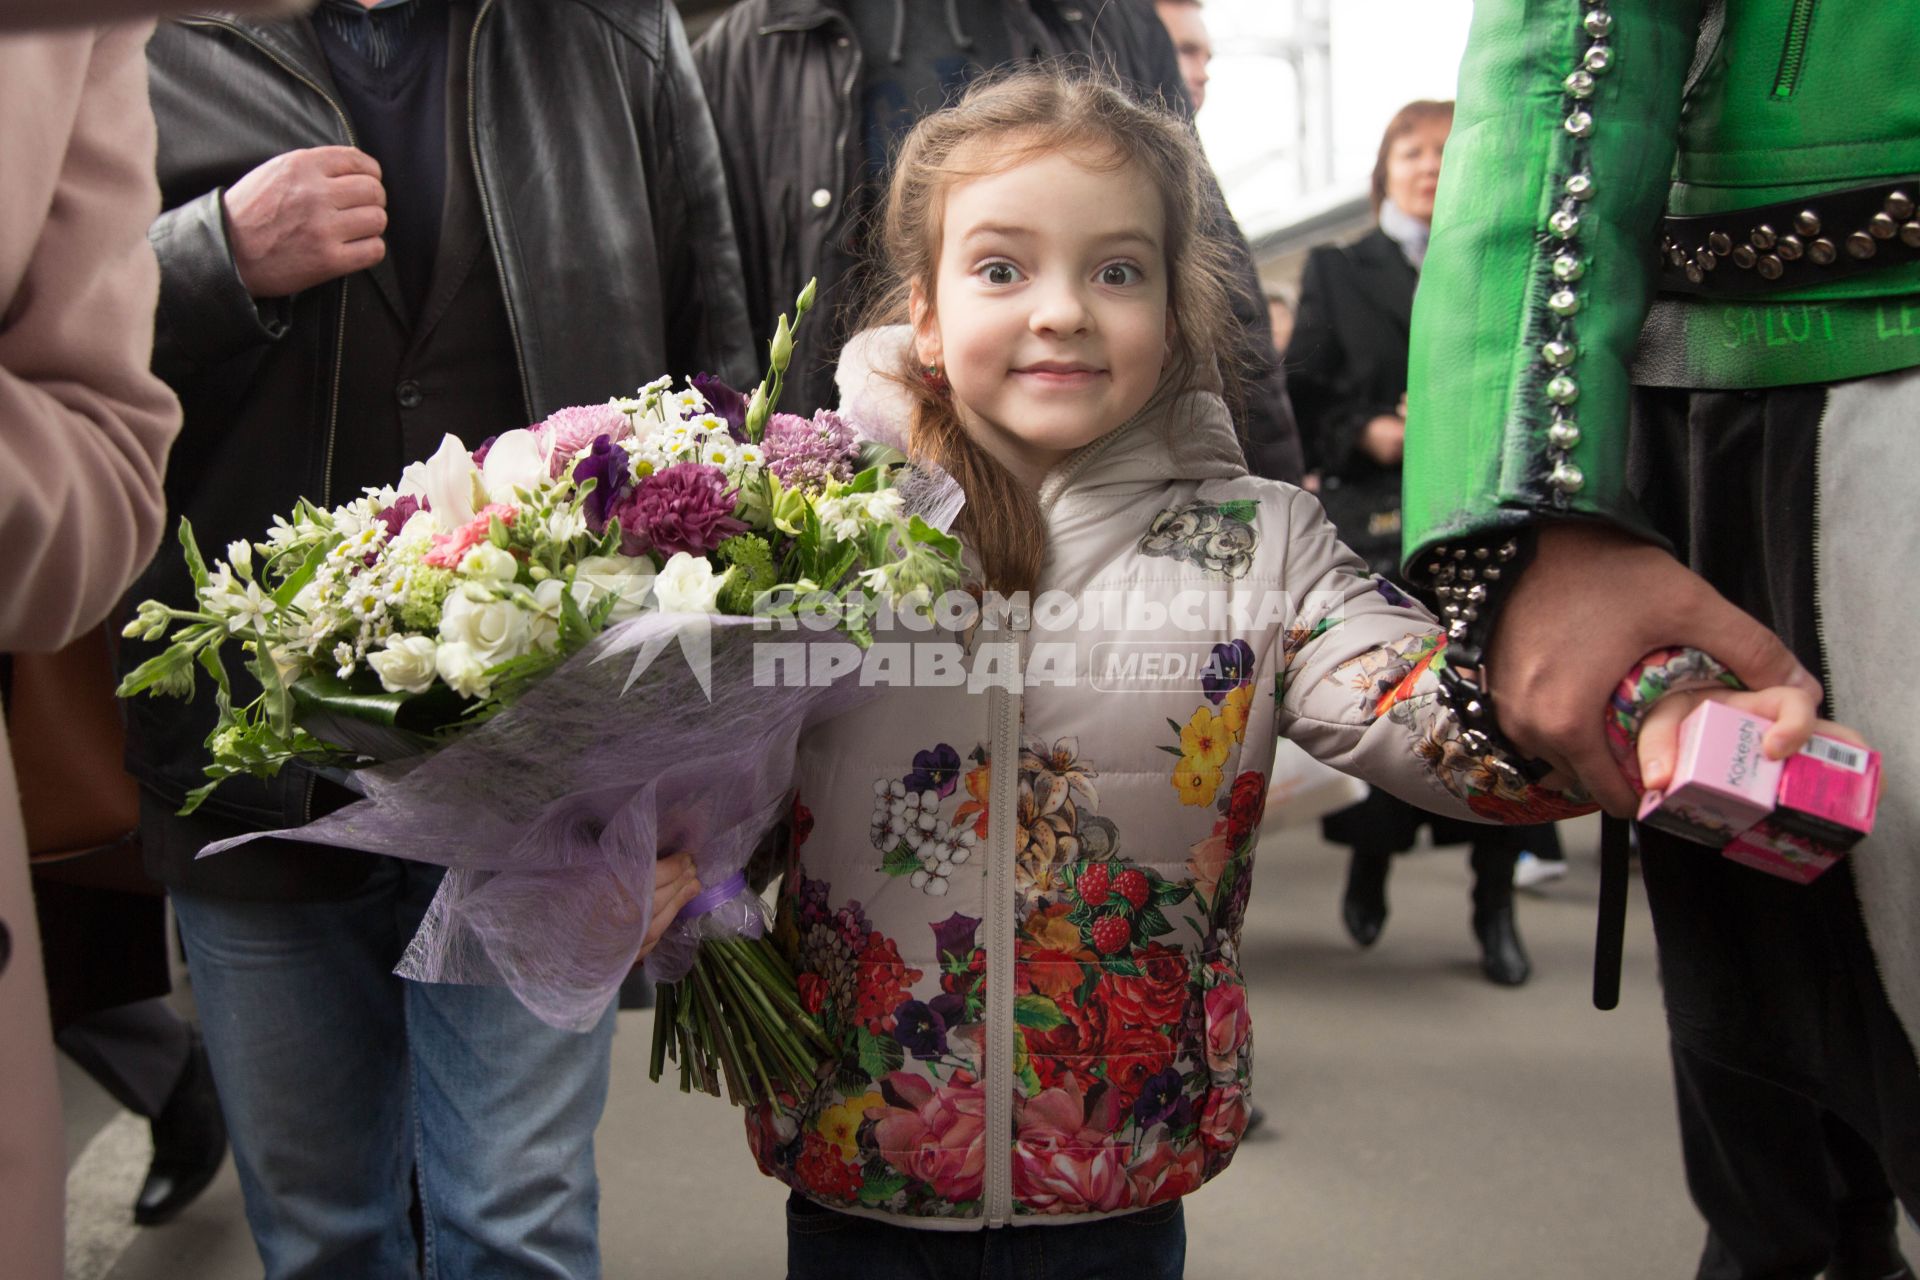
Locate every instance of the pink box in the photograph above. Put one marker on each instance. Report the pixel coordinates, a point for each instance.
(1791, 818)
(1722, 784)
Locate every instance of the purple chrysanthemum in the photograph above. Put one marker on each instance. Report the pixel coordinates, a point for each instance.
(571, 431)
(806, 453)
(684, 508)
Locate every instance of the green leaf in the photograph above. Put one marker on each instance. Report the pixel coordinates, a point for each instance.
(878, 1055)
(1123, 965)
(1174, 751)
(1168, 892)
(1243, 511)
(296, 581)
(867, 481)
(920, 531)
(900, 861)
(196, 563)
(1150, 923)
(841, 563)
(168, 673)
(209, 659)
(277, 702)
(1038, 1012)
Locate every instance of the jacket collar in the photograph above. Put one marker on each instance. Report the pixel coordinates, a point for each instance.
(290, 42)
(1189, 437)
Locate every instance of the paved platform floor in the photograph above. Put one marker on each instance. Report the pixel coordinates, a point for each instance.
(1422, 1123)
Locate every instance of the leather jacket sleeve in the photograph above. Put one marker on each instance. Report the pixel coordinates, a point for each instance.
(206, 315)
(694, 227)
(1537, 107)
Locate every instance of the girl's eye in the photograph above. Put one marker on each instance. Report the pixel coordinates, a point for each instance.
(1000, 273)
(1117, 274)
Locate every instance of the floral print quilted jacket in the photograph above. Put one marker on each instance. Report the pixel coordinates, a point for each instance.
(1016, 902)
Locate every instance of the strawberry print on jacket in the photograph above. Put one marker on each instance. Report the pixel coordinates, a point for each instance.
(1016, 902)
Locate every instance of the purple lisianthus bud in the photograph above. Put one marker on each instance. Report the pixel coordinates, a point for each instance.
(687, 507)
(607, 464)
(396, 516)
(726, 403)
(480, 454)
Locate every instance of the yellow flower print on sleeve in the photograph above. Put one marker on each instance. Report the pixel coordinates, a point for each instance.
(1233, 712)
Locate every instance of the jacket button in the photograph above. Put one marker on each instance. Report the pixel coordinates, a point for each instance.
(409, 394)
(822, 198)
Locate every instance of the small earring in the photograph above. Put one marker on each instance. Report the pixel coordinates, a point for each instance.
(935, 378)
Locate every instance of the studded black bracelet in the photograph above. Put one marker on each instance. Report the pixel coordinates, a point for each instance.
(1471, 580)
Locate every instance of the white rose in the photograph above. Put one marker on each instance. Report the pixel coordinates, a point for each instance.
(687, 584)
(406, 665)
(489, 564)
(463, 671)
(626, 578)
(495, 630)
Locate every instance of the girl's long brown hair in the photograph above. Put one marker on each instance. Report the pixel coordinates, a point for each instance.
(1002, 121)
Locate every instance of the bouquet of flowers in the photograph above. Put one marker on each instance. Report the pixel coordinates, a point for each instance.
(448, 639)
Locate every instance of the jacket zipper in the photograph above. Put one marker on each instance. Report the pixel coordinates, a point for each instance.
(486, 206)
(1793, 57)
(1003, 813)
(340, 336)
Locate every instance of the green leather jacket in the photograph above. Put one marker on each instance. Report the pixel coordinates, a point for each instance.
(1582, 123)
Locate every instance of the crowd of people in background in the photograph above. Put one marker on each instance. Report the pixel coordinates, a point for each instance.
(346, 228)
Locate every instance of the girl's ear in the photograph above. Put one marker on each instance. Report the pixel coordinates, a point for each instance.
(926, 326)
(1173, 335)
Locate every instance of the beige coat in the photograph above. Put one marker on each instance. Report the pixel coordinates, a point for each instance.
(84, 432)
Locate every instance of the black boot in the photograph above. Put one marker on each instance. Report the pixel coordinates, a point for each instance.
(189, 1142)
(1364, 908)
(1502, 958)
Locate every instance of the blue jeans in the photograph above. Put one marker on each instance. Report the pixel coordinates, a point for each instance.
(824, 1245)
(338, 1080)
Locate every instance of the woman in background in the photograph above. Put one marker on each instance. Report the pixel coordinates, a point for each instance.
(1347, 372)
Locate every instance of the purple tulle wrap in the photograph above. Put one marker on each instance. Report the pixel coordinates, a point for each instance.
(549, 816)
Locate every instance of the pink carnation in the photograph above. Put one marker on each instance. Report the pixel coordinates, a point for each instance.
(449, 549)
(687, 507)
(567, 432)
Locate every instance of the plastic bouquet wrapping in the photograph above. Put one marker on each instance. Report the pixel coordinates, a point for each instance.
(543, 665)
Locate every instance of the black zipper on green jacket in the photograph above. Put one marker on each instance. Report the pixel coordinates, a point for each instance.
(1794, 57)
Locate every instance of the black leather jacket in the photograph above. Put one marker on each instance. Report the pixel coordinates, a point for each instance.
(604, 204)
(783, 78)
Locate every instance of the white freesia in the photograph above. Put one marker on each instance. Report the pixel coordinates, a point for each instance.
(406, 665)
(447, 481)
(240, 556)
(565, 524)
(513, 462)
(490, 564)
(462, 669)
(625, 578)
(494, 630)
(545, 621)
(687, 584)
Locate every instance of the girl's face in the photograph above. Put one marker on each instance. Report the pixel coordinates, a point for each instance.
(1413, 168)
(1050, 306)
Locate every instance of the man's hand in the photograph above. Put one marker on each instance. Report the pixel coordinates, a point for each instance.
(675, 884)
(1385, 439)
(306, 217)
(1592, 604)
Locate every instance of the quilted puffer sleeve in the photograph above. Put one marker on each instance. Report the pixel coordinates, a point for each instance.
(1358, 687)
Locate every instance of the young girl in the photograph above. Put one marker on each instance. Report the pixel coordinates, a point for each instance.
(1015, 899)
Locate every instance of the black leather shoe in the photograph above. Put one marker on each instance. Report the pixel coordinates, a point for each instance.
(1364, 908)
(1502, 958)
(189, 1143)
